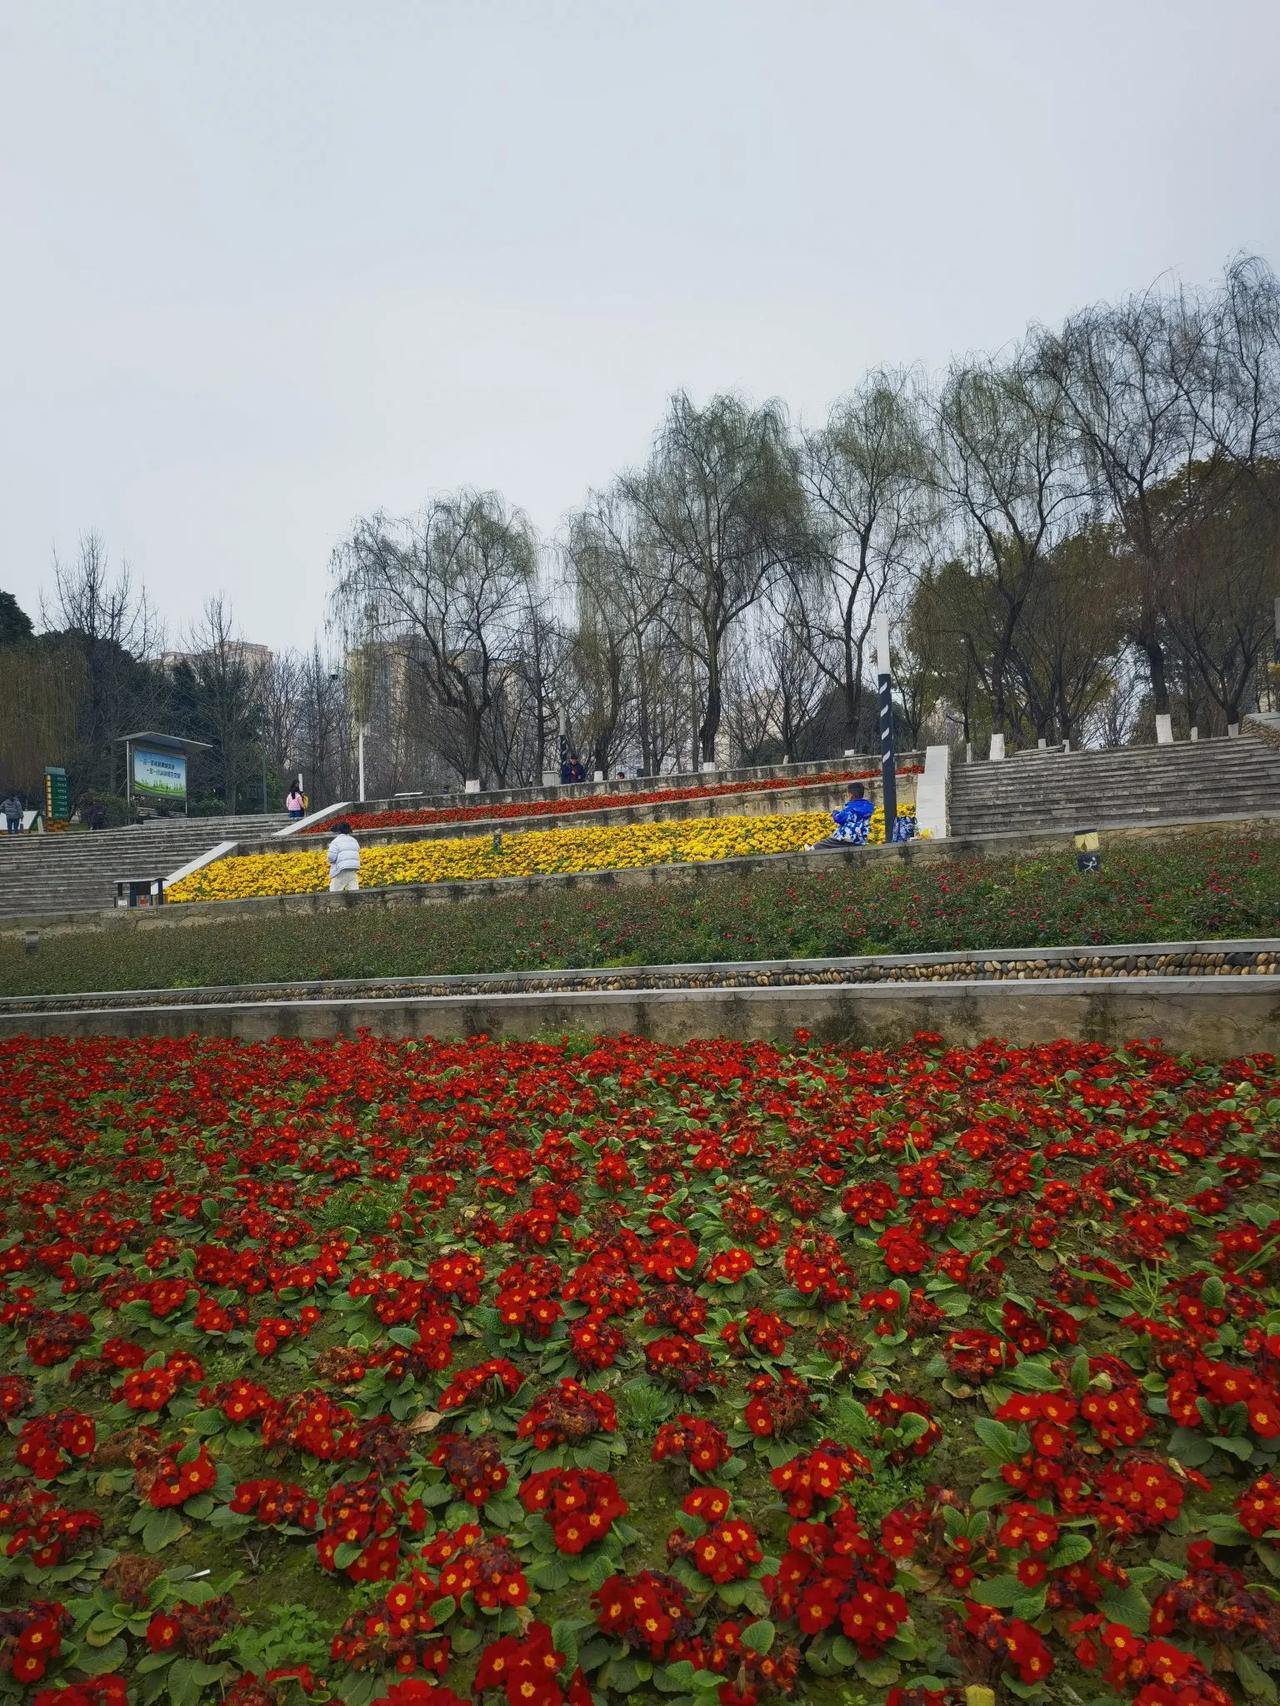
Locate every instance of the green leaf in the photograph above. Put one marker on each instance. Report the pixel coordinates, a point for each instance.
(676, 1677)
(1070, 1550)
(1001, 1591)
(1036, 1376)
(1007, 1445)
(759, 1635)
(881, 1673)
(912, 1427)
(1240, 1448)
(1225, 1531)
(988, 1494)
(1127, 1606)
(564, 1638)
(1190, 1448)
(1254, 1680)
(161, 1529)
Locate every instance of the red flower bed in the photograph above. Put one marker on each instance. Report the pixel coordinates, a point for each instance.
(592, 802)
(417, 1373)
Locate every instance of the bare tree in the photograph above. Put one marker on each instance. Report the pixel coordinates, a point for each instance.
(1069, 637)
(775, 679)
(1128, 377)
(1004, 463)
(282, 713)
(628, 650)
(444, 588)
(324, 742)
(722, 504)
(225, 683)
(949, 635)
(865, 476)
(1225, 578)
(110, 622)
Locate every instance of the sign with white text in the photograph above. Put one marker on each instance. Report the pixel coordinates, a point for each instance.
(159, 775)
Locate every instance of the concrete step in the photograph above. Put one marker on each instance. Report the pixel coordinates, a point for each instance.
(78, 870)
(1205, 779)
(1153, 805)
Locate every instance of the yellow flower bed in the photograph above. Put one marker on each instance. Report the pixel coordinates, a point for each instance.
(535, 852)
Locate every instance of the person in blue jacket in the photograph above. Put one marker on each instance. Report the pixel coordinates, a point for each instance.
(852, 821)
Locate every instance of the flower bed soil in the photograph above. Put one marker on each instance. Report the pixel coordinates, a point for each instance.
(600, 1370)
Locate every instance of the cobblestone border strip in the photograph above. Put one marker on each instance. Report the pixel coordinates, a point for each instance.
(1156, 960)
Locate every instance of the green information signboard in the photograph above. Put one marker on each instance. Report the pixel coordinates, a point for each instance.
(57, 799)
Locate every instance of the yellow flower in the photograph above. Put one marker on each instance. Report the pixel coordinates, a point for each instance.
(533, 852)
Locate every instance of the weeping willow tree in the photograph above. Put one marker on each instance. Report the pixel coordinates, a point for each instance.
(43, 690)
(445, 589)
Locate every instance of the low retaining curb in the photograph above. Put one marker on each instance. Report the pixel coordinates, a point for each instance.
(1212, 1017)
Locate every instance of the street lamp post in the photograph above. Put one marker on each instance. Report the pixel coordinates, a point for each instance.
(888, 758)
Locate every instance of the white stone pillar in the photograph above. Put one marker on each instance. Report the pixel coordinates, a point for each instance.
(931, 792)
(1164, 729)
(997, 748)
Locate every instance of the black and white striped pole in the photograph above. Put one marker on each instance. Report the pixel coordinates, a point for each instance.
(888, 758)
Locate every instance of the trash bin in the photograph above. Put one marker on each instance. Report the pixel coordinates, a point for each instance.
(140, 891)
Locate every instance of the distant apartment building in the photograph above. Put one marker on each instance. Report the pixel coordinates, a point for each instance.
(240, 651)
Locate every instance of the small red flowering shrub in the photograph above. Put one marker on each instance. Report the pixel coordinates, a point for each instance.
(722, 1374)
(407, 817)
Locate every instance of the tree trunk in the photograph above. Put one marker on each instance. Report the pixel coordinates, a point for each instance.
(710, 726)
(474, 734)
(852, 679)
(711, 720)
(1154, 653)
(999, 717)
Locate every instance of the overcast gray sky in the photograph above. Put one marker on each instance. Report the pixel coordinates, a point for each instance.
(267, 266)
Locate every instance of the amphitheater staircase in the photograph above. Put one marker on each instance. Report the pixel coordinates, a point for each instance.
(77, 870)
(1084, 790)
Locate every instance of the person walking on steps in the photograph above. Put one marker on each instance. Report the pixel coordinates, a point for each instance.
(344, 861)
(12, 808)
(294, 803)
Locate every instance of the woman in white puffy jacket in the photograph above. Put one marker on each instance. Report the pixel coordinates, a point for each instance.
(344, 860)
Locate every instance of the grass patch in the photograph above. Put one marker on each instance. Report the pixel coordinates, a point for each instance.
(1193, 887)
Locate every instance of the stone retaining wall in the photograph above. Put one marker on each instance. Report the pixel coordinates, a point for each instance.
(815, 797)
(1214, 1018)
(632, 784)
(1255, 957)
